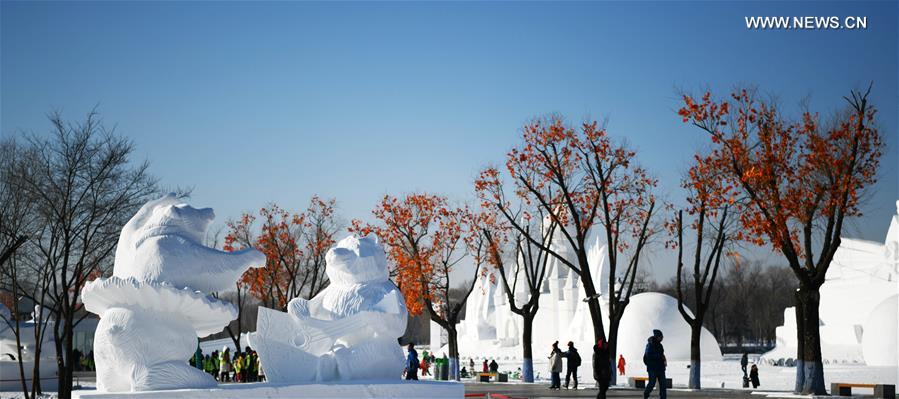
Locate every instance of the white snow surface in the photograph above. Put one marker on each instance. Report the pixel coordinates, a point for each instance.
(346, 332)
(715, 373)
(154, 305)
(356, 389)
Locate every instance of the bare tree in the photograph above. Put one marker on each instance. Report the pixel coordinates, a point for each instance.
(84, 188)
(524, 273)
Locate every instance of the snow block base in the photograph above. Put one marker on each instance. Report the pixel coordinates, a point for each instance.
(356, 389)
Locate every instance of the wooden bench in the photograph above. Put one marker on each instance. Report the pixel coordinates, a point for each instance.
(485, 377)
(880, 390)
(640, 382)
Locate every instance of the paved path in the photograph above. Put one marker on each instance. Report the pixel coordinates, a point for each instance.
(538, 390)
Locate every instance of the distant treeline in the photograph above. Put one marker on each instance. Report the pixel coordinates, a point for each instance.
(748, 304)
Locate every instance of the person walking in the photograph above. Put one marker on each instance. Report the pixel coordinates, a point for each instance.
(754, 376)
(471, 364)
(555, 366)
(412, 363)
(425, 366)
(602, 372)
(494, 366)
(574, 361)
(654, 358)
(485, 367)
(744, 361)
(621, 364)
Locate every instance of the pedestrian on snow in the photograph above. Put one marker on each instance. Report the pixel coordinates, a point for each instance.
(574, 361)
(754, 376)
(555, 366)
(602, 372)
(621, 364)
(744, 361)
(494, 367)
(654, 358)
(425, 366)
(412, 363)
(485, 367)
(471, 364)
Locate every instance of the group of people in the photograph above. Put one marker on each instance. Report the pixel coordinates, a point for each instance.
(653, 357)
(413, 364)
(227, 367)
(753, 372)
(555, 365)
(84, 362)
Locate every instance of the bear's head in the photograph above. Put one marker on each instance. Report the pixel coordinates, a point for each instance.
(356, 260)
(165, 216)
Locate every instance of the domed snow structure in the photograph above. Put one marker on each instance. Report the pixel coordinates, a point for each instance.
(653, 310)
(880, 332)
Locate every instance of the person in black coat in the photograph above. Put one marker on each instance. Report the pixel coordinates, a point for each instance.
(754, 376)
(744, 362)
(602, 369)
(574, 361)
(654, 358)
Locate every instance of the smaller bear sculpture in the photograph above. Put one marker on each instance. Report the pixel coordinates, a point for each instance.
(348, 331)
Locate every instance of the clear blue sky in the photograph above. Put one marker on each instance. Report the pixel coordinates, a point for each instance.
(256, 102)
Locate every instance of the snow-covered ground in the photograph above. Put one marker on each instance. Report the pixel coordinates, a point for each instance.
(725, 373)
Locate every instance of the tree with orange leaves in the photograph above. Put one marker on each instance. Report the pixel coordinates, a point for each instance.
(710, 204)
(580, 178)
(425, 239)
(294, 244)
(801, 179)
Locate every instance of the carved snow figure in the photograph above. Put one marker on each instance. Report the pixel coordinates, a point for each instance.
(155, 304)
(348, 331)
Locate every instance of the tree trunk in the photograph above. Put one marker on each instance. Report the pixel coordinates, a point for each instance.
(593, 305)
(695, 354)
(453, 337)
(527, 366)
(809, 367)
(613, 350)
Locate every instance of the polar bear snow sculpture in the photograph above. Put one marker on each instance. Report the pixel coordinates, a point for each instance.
(155, 304)
(348, 331)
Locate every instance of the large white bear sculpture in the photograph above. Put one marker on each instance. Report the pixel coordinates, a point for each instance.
(155, 305)
(348, 331)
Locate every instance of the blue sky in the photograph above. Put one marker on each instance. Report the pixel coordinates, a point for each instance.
(257, 102)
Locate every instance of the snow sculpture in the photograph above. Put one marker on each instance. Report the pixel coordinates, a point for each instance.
(880, 331)
(858, 330)
(348, 331)
(154, 305)
(9, 363)
(653, 310)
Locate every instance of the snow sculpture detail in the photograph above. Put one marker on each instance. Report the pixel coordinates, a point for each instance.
(154, 305)
(346, 332)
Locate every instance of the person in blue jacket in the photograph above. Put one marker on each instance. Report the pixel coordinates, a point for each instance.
(412, 363)
(654, 358)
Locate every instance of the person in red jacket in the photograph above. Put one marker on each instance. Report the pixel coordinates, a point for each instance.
(621, 365)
